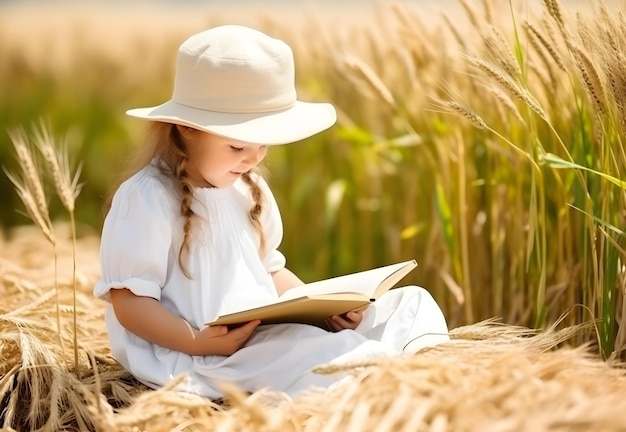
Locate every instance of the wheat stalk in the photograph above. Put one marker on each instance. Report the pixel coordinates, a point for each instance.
(29, 188)
(67, 188)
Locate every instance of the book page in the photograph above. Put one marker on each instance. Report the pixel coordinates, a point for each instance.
(365, 282)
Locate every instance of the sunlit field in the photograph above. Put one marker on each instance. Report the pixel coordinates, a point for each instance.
(483, 140)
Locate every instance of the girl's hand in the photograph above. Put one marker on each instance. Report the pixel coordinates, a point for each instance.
(220, 340)
(349, 320)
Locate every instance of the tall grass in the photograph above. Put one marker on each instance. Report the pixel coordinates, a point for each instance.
(487, 145)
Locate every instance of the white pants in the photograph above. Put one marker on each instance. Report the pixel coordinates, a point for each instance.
(281, 357)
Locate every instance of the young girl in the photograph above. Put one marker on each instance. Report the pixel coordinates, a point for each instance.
(196, 230)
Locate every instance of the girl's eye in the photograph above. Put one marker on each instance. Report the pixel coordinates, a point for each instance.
(236, 149)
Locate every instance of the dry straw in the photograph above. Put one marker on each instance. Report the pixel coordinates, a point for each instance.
(490, 375)
(475, 379)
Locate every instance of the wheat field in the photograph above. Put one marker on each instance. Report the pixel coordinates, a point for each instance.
(484, 140)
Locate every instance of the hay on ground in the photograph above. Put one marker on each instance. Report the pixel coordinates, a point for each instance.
(490, 377)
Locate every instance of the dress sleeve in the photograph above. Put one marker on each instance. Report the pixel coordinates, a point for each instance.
(272, 222)
(136, 239)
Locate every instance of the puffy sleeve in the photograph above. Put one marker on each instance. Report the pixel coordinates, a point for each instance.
(136, 239)
(272, 222)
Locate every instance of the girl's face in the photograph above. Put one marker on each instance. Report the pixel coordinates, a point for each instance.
(218, 161)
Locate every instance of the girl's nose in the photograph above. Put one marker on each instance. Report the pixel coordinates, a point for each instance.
(256, 156)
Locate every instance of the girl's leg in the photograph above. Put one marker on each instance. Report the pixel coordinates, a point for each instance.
(282, 357)
(407, 319)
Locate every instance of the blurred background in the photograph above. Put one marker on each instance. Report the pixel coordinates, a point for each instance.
(482, 139)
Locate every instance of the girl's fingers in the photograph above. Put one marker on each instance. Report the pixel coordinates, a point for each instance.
(341, 322)
(215, 331)
(349, 320)
(354, 316)
(249, 326)
(332, 325)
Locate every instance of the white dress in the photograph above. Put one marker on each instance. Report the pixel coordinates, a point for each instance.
(139, 251)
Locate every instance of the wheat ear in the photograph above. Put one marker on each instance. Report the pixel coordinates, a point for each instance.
(506, 101)
(362, 74)
(454, 30)
(495, 41)
(617, 79)
(26, 196)
(590, 76)
(29, 188)
(488, 8)
(537, 36)
(57, 161)
(512, 86)
(471, 13)
(30, 170)
(554, 9)
(474, 118)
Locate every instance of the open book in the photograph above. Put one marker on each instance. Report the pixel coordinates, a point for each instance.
(312, 303)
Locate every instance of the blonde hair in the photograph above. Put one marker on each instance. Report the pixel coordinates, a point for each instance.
(164, 142)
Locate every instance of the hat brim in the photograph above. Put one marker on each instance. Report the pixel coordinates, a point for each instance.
(300, 121)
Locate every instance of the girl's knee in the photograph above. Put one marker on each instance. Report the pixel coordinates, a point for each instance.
(416, 291)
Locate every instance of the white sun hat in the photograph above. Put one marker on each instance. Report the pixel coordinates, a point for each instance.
(239, 83)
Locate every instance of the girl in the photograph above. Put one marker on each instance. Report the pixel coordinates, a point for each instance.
(196, 230)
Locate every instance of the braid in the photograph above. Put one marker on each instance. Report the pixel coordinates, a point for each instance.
(255, 212)
(168, 145)
(186, 191)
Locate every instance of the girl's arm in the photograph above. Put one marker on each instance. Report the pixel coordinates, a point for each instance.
(148, 319)
(284, 279)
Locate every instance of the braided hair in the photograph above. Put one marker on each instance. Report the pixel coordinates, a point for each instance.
(169, 146)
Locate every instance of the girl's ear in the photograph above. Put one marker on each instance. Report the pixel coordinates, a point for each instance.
(184, 131)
